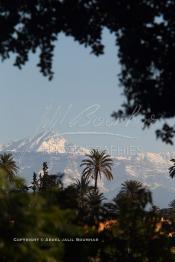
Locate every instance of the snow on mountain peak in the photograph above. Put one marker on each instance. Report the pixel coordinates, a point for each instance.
(52, 144)
(46, 142)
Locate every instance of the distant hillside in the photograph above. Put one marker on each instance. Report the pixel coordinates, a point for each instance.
(150, 168)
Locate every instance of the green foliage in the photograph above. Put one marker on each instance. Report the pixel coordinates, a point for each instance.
(134, 237)
(72, 214)
(28, 215)
(8, 165)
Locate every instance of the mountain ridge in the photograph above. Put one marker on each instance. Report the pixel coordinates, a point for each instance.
(148, 167)
(45, 141)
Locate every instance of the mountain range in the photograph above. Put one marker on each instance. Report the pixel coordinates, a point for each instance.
(148, 167)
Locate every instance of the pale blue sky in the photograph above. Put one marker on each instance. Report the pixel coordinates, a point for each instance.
(82, 82)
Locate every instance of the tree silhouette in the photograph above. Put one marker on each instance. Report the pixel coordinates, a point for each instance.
(134, 236)
(48, 181)
(94, 206)
(172, 169)
(172, 204)
(30, 216)
(145, 36)
(8, 164)
(82, 187)
(44, 179)
(35, 182)
(96, 164)
(135, 192)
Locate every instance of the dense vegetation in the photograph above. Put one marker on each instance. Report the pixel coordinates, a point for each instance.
(48, 222)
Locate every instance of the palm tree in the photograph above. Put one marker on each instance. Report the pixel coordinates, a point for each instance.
(131, 188)
(135, 192)
(94, 206)
(82, 188)
(172, 169)
(96, 164)
(8, 164)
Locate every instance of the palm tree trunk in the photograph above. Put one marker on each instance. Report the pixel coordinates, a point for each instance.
(96, 177)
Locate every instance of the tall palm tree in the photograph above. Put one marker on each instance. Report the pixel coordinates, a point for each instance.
(172, 169)
(96, 164)
(8, 164)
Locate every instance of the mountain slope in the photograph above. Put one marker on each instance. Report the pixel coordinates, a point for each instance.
(149, 168)
(46, 142)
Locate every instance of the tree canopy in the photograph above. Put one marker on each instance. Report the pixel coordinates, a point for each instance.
(145, 40)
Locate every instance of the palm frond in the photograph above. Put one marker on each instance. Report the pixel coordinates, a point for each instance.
(172, 169)
(97, 163)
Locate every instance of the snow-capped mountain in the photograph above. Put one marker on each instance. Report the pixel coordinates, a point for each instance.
(147, 167)
(46, 142)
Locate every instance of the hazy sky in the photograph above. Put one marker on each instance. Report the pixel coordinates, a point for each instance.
(76, 103)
